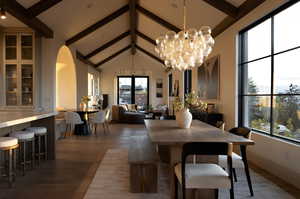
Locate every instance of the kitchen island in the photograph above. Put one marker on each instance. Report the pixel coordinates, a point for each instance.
(17, 120)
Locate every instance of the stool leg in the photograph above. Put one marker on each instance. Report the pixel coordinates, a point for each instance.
(33, 154)
(15, 163)
(10, 168)
(39, 150)
(24, 157)
(46, 147)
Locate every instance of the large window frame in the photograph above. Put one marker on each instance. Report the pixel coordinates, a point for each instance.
(242, 79)
(133, 87)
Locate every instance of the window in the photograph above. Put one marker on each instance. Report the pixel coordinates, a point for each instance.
(269, 74)
(187, 81)
(133, 90)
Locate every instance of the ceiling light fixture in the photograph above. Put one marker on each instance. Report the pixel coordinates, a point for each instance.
(186, 49)
(2, 11)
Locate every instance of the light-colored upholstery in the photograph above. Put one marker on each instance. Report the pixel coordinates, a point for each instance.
(22, 135)
(237, 161)
(99, 118)
(73, 118)
(37, 130)
(8, 142)
(107, 115)
(203, 176)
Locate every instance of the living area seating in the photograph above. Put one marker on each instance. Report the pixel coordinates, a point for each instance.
(127, 113)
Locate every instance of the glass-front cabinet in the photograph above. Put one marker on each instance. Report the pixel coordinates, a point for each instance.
(18, 69)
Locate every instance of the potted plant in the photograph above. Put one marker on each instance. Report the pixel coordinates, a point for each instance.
(182, 109)
(84, 102)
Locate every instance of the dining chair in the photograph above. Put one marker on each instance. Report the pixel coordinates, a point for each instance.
(72, 119)
(220, 125)
(99, 118)
(204, 175)
(239, 162)
(107, 118)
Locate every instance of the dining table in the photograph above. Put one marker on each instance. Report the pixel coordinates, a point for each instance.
(167, 133)
(84, 128)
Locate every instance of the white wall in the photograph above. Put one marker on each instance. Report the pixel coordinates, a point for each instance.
(47, 71)
(122, 65)
(276, 156)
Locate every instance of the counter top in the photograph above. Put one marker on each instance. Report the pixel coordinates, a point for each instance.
(11, 118)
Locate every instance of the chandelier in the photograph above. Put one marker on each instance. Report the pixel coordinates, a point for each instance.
(186, 49)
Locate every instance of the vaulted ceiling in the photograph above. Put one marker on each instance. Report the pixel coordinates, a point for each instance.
(101, 30)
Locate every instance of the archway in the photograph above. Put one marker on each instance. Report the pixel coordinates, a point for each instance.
(65, 80)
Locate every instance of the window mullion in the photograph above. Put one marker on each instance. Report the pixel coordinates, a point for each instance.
(272, 76)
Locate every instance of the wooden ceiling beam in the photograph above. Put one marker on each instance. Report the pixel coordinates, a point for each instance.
(107, 45)
(244, 9)
(41, 6)
(157, 19)
(133, 24)
(142, 35)
(224, 7)
(97, 25)
(149, 54)
(113, 56)
(21, 13)
(80, 57)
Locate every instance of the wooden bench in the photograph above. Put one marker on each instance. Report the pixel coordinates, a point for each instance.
(143, 160)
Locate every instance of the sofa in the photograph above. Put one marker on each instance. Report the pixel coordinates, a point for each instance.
(127, 113)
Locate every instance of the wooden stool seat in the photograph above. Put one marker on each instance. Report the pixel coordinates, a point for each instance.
(6, 142)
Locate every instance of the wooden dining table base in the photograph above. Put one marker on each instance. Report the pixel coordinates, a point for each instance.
(175, 158)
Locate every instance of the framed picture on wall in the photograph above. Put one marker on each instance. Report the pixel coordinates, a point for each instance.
(209, 79)
(159, 88)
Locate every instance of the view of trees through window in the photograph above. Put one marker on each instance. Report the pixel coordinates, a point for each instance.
(270, 69)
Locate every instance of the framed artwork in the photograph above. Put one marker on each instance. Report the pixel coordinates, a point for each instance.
(209, 79)
(159, 88)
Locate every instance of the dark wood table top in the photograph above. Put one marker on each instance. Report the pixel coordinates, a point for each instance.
(167, 132)
(88, 110)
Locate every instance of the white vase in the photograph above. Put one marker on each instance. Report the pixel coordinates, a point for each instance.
(184, 118)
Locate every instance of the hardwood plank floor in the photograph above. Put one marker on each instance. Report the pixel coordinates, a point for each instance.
(78, 158)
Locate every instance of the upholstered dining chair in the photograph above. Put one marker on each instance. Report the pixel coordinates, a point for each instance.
(204, 175)
(239, 161)
(99, 118)
(72, 119)
(107, 118)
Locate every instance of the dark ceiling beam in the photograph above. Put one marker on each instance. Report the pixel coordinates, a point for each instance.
(113, 56)
(133, 24)
(244, 9)
(19, 12)
(41, 6)
(80, 57)
(97, 25)
(149, 54)
(142, 35)
(107, 45)
(224, 7)
(157, 19)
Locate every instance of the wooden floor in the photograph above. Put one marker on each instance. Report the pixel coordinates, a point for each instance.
(78, 158)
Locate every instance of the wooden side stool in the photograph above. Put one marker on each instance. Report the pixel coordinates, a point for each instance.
(26, 149)
(41, 142)
(8, 147)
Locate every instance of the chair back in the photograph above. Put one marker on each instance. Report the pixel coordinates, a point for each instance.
(72, 118)
(241, 131)
(99, 117)
(107, 114)
(206, 148)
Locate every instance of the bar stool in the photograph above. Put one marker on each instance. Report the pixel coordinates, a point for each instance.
(26, 150)
(41, 142)
(8, 147)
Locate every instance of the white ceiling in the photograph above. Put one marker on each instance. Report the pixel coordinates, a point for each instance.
(69, 17)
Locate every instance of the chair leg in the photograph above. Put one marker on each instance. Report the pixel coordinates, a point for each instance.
(244, 156)
(10, 168)
(234, 174)
(96, 133)
(46, 147)
(24, 158)
(176, 187)
(33, 153)
(231, 194)
(216, 193)
(107, 127)
(39, 150)
(104, 128)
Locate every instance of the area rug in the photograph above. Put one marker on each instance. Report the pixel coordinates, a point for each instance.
(111, 181)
